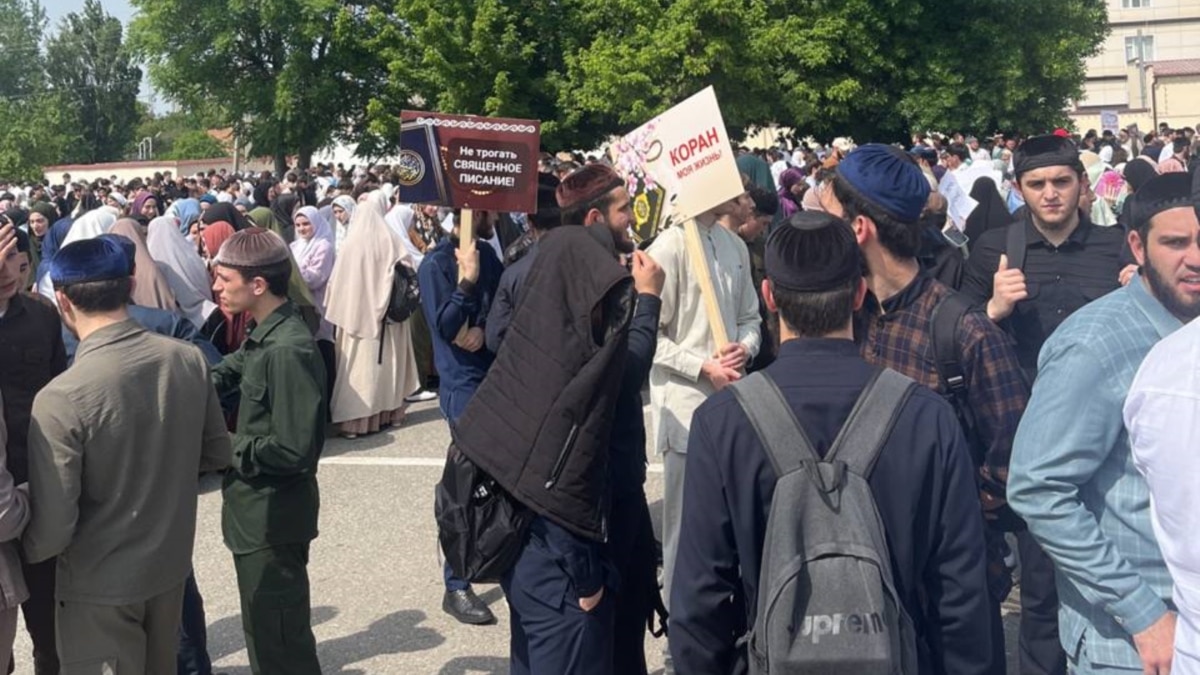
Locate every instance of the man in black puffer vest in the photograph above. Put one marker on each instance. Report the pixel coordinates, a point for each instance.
(540, 424)
(588, 197)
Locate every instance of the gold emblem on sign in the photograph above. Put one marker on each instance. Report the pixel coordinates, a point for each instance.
(410, 168)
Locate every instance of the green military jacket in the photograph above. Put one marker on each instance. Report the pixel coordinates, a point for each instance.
(271, 495)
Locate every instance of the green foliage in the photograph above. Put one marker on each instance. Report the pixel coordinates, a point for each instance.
(88, 65)
(285, 74)
(38, 131)
(196, 145)
(868, 68)
(21, 64)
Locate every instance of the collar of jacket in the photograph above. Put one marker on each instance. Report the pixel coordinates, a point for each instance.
(262, 330)
(108, 335)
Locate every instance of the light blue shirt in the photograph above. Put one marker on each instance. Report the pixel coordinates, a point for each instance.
(1073, 480)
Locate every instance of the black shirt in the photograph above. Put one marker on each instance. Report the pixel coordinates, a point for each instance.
(1059, 279)
(31, 354)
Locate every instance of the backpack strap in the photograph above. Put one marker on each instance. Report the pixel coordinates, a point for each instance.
(870, 423)
(1014, 244)
(773, 420)
(944, 321)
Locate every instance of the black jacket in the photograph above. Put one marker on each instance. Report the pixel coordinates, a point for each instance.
(540, 422)
(923, 486)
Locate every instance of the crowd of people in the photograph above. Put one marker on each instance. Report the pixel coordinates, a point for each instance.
(968, 382)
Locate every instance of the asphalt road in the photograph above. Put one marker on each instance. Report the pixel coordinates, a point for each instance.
(376, 578)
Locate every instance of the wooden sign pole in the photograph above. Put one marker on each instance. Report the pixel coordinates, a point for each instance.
(699, 265)
(466, 238)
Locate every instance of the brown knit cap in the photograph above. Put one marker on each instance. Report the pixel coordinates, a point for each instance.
(253, 247)
(587, 184)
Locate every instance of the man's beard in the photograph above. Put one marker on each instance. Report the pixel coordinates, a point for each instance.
(1167, 294)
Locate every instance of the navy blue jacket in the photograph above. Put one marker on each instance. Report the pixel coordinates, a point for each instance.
(505, 302)
(448, 305)
(923, 485)
(162, 322)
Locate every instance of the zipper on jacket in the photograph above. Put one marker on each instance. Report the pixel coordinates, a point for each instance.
(563, 454)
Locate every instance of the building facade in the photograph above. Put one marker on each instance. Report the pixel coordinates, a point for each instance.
(1148, 69)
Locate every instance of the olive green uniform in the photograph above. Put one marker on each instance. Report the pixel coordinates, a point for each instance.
(270, 495)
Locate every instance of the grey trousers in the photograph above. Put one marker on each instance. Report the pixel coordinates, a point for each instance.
(674, 467)
(134, 639)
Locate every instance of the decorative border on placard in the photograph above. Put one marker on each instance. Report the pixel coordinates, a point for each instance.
(478, 125)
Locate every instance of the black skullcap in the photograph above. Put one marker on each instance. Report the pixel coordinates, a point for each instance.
(1040, 152)
(1165, 191)
(22, 240)
(548, 214)
(812, 252)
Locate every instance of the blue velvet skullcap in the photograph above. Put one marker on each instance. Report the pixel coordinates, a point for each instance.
(887, 178)
(95, 259)
(127, 246)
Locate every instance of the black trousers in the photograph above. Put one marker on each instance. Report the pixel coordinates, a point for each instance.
(631, 550)
(550, 632)
(325, 347)
(1041, 653)
(39, 616)
(192, 658)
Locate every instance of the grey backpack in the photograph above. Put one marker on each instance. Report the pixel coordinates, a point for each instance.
(826, 599)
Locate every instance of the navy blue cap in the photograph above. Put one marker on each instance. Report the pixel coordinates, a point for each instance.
(95, 259)
(887, 178)
(924, 152)
(127, 246)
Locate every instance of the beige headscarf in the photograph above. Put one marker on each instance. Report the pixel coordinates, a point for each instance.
(361, 284)
(151, 288)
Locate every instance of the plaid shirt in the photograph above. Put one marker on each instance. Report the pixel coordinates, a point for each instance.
(896, 334)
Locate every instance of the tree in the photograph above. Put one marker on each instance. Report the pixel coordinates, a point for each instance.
(87, 62)
(37, 133)
(286, 75)
(21, 62)
(196, 145)
(873, 70)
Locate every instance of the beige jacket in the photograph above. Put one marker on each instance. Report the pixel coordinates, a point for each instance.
(14, 515)
(116, 447)
(685, 340)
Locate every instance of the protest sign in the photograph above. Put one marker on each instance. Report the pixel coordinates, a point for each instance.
(959, 204)
(1110, 121)
(469, 162)
(678, 165)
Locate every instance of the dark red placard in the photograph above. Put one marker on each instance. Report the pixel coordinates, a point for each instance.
(465, 161)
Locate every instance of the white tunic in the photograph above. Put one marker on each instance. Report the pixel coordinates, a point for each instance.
(1162, 414)
(685, 340)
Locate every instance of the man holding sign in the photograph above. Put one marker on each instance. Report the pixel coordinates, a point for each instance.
(690, 363)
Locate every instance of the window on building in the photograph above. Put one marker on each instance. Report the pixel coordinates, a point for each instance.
(1139, 46)
(1134, 4)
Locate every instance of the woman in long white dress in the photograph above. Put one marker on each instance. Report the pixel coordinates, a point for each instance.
(375, 363)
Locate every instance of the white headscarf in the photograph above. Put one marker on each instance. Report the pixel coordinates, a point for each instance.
(361, 284)
(340, 231)
(88, 226)
(400, 219)
(186, 274)
(302, 248)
